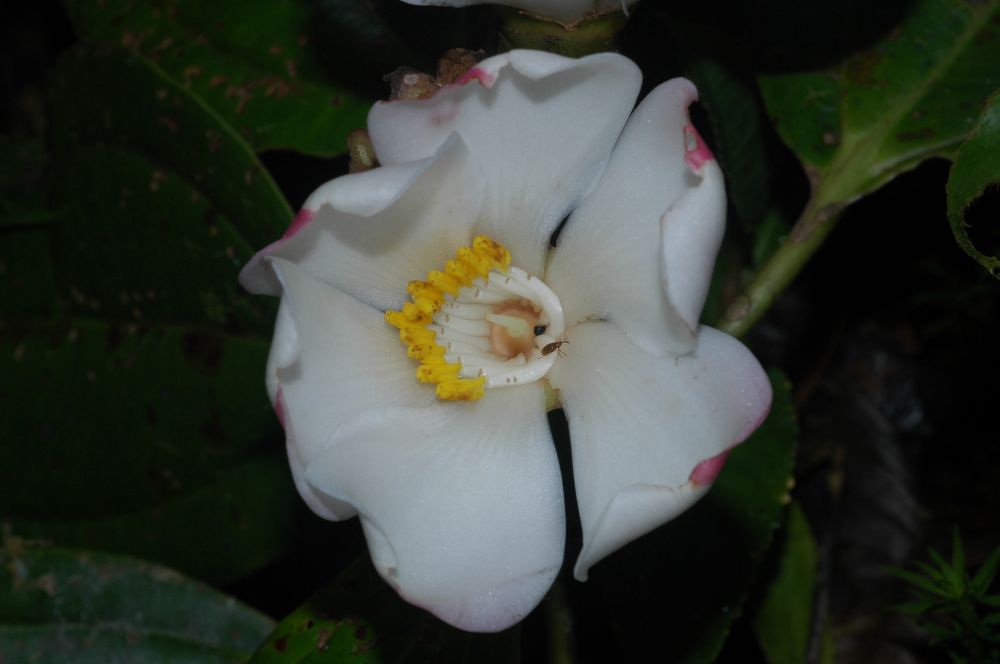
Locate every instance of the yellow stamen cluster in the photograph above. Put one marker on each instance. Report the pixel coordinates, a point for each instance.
(469, 264)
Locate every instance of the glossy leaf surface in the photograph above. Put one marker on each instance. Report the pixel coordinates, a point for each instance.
(254, 63)
(912, 95)
(59, 605)
(976, 170)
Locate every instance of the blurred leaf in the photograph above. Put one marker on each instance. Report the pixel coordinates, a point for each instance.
(253, 61)
(914, 608)
(975, 170)
(678, 589)
(919, 581)
(60, 606)
(109, 97)
(21, 162)
(984, 577)
(27, 272)
(913, 95)
(131, 373)
(737, 123)
(783, 623)
(360, 618)
(159, 439)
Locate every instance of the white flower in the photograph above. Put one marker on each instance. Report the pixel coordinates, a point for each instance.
(461, 502)
(564, 11)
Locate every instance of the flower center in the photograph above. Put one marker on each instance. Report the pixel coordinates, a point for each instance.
(480, 323)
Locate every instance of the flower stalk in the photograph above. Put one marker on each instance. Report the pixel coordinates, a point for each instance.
(808, 234)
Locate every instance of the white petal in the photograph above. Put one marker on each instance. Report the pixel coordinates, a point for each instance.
(331, 358)
(461, 503)
(539, 128)
(565, 11)
(371, 233)
(641, 425)
(641, 248)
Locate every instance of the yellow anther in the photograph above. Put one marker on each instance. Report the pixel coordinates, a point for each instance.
(427, 305)
(423, 289)
(413, 334)
(415, 315)
(460, 272)
(397, 319)
(428, 298)
(437, 373)
(463, 389)
(428, 353)
(480, 264)
(493, 250)
(443, 282)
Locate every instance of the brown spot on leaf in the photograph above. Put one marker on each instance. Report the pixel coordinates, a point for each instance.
(191, 72)
(242, 95)
(281, 645)
(323, 638)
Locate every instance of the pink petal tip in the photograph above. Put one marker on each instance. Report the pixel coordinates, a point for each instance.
(484, 77)
(300, 221)
(706, 471)
(696, 153)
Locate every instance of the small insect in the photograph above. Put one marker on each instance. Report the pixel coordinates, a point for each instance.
(540, 330)
(554, 347)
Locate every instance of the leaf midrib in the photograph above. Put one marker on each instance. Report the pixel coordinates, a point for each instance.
(868, 142)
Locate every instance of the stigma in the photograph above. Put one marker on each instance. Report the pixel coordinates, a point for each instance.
(479, 323)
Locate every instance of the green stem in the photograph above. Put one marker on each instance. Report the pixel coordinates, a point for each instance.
(816, 222)
(560, 624)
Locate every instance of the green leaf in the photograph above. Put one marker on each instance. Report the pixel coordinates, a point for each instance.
(111, 98)
(160, 440)
(131, 374)
(254, 61)
(21, 162)
(59, 606)
(953, 579)
(911, 96)
(919, 581)
(915, 608)
(678, 589)
(984, 577)
(783, 623)
(976, 169)
(737, 123)
(360, 618)
(28, 275)
(935, 574)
